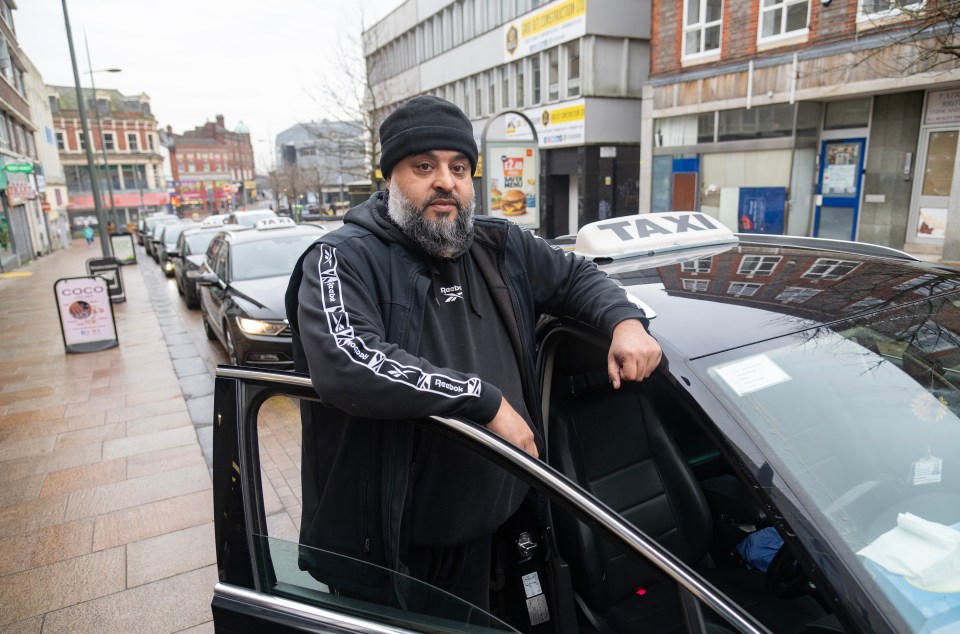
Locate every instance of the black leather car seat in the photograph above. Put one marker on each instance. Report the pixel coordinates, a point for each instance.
(614, 444)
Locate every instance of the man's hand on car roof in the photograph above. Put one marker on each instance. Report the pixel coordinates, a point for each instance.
(634, 354)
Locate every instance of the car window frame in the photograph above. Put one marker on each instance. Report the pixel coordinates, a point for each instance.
(239, 393)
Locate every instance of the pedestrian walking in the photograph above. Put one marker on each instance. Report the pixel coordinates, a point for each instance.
(88, 235)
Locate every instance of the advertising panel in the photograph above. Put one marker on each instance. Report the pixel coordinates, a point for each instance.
(557, 125)
(86, 314)
(513, 171)
(122, 246)
(558, 22)
(762, 210)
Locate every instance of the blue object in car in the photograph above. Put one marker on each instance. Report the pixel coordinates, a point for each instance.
(760, 547)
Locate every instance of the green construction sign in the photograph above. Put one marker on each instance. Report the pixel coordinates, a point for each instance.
(22, 168)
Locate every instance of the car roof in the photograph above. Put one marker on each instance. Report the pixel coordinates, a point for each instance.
(239, 234)
(715, 297)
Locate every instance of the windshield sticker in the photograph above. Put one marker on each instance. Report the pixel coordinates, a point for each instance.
(928, 407)
(750, 375)
(927, 470)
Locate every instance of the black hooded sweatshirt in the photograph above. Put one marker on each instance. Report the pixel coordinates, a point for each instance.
(357, 304)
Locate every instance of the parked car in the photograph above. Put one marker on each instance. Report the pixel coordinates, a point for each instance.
(146, 226)
(189, 255)
(151, 242)
(168, 243)
(250, 218)
(242, 283)
(781, 470)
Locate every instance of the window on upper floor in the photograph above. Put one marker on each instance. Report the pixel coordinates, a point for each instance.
(81, 141)
(132, 143)
(108, 141)
(780, 18)
(535, 79)
(7, 14)
(6, 64)
(61, 145)
(478, 95)
(870, 10)
(505, 87)
(573, 69)
(518, 78)
(150, 141)
(54, 104)
(702, 22)
(553, 74)
(492, 91)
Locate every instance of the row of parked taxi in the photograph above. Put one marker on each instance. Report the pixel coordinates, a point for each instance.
(234, 267)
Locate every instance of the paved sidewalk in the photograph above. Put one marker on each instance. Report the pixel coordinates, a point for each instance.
(105, 503)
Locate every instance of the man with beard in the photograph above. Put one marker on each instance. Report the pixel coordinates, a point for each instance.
(415, 308)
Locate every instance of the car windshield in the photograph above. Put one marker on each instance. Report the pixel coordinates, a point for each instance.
(172, 232)
(198, 242)
(269, 257)
(862, 423)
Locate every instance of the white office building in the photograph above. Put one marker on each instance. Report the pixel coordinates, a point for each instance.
(575, 68)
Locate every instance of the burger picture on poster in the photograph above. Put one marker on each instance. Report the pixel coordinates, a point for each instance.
(513, 202)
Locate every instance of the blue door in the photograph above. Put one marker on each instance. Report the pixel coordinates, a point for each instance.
(841, 176)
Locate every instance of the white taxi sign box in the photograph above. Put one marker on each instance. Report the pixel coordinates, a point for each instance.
(648, 234)
(86, 314)
(217, 221)
(275, 223)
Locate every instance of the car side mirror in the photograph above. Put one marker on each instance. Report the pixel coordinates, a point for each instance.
(208, 279)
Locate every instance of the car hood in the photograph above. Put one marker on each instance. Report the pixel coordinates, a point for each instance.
(268, 292)
(705, 306)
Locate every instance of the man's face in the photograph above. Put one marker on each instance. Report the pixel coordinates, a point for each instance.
(435, 181)
(431, 200)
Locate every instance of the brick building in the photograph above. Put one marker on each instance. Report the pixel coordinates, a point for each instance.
(212, 167)
(125, 148)
(830, 119)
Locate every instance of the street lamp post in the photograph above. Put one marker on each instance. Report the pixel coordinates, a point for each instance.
(96, 114)
(91, 164)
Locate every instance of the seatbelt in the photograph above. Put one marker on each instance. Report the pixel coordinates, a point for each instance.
(595, 620)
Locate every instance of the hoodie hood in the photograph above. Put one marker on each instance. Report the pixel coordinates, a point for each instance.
(372, 215)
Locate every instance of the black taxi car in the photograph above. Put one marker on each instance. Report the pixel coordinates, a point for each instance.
(242, 283)
(791, 466)
(189, 254)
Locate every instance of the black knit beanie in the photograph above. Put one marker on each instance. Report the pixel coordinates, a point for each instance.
(423, 124)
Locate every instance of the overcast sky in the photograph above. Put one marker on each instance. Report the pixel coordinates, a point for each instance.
(263, 63)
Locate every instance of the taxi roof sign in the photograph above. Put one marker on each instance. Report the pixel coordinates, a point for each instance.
(646, 234)
(214, 221)
(275, 223)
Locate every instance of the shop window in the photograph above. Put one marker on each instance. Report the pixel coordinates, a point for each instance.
(684, 130)
(743, 289)
(852, 113)
(809, 114)
(701, 27)
(573, 69)
(553, 74)
(783, 17)
(762, 122)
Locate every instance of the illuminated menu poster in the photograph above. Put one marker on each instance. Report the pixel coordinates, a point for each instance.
(86, 314)
(513, 182)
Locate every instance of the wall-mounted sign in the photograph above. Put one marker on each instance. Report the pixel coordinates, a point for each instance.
(943, 106)
(557, 22)
(513, 171)
(22, 168)
(558, 125)
(86, 314)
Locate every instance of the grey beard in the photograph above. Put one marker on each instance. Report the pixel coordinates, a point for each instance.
(438, 238)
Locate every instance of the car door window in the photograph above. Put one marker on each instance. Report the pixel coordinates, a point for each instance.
(532, 586)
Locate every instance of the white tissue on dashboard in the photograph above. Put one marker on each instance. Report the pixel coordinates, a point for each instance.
(925, 553)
